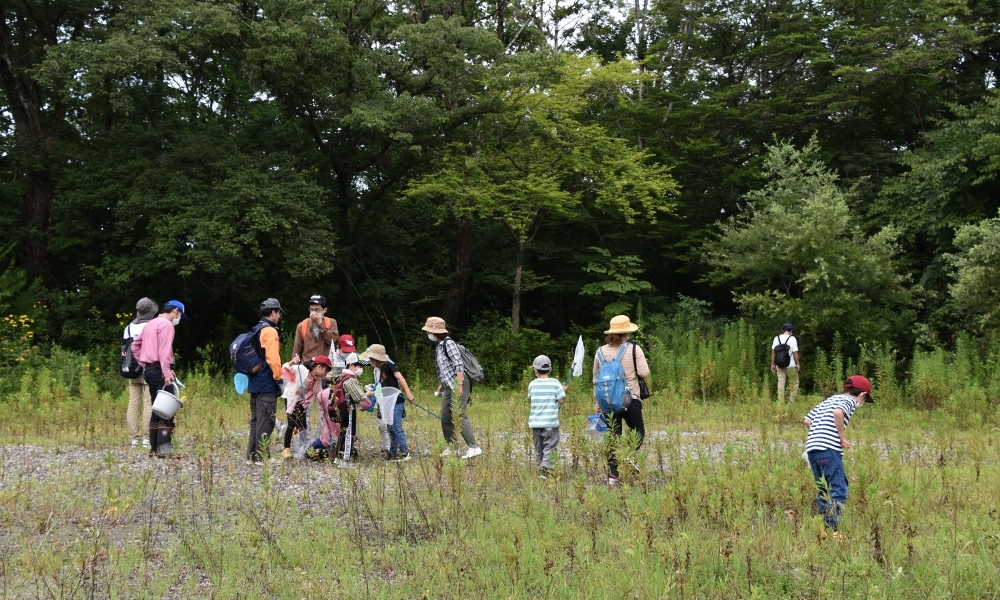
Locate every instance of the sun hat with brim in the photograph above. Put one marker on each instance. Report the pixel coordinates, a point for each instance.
(621, 324)
(860, 382)
(376, 351)
(434, 325)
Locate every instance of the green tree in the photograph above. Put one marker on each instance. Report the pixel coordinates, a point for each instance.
(540, 159)
(796, 252)
(975, 294)
(619, 280)
(34, 95)
(951, 181)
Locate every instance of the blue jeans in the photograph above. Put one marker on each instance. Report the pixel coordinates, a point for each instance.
(397, 447)
(831, 483)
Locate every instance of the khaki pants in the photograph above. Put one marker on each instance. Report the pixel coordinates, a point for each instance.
(788, 374)
(447, 427)
(138, 402)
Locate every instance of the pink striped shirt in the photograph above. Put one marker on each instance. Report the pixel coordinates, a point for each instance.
(156, 345)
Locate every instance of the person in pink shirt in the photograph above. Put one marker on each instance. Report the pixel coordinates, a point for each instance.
(154, 349)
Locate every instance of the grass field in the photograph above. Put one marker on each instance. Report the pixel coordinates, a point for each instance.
(721, 507)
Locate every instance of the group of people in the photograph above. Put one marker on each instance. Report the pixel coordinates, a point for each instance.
(326, 369)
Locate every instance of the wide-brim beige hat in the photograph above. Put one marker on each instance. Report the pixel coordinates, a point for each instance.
(376, 351)
(434, 325)
(622, 324)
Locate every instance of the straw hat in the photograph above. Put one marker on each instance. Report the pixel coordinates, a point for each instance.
(434, 325)
(376, 351)
(621, 324)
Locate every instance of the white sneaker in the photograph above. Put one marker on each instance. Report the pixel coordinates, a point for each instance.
(135, 443)
(446, 452)
(145, 444)
(472, 452)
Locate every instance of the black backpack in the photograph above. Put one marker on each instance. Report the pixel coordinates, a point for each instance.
(782, 353)
(245, 353)
(130, 367)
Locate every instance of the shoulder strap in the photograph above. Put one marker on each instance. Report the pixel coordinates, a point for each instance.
(302, 329)
(600, 355)
(621, 353)
(635, 365)
(128, 330)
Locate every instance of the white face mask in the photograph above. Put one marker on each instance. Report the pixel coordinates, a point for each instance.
(176, 321)
(432, 337)
(359, 371)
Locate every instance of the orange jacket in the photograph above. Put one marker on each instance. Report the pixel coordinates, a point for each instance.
(269, 342)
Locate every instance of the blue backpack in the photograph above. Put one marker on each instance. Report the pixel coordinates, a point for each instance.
(610, 390)
(245, 352)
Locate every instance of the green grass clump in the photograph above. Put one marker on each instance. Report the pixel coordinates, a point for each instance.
(721, 507)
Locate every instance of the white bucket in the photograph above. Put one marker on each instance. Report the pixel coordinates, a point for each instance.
(166, 404)
(387, 404)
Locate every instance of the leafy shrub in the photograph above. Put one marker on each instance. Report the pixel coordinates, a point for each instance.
(929, 378)
(504, 354)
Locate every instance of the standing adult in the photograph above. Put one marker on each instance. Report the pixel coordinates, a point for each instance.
(139, 402)
(634, 366)
(452, 382)
(825, 445)
(154, 349)
(314, 336)
(785, 361)
(265, 385)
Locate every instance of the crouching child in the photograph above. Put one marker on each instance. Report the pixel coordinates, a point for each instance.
(302, 384)
(338, 409)
(546, 396)
(826, 442)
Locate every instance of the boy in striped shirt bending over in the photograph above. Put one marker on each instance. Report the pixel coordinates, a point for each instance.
(826, 442)
(546, 395)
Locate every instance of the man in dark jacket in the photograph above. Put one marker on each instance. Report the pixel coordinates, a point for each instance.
(265, 384)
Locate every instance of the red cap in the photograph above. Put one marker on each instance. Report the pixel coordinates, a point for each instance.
(324, 360)
(859, 382)
(346, 341)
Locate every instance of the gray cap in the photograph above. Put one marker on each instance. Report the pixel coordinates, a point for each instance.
(542, 363)
(271, 304)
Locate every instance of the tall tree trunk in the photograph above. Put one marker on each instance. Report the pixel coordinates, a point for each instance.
(345, 254)
(37, 211)
(515, 312)
(454, 300)
(501, 18)
(28, 30)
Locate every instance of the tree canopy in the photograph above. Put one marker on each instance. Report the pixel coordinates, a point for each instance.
(830, 162)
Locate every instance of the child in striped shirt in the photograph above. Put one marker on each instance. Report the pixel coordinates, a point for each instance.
(546, 395)
(826, 442)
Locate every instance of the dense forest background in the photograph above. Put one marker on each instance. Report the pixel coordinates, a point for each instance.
(522, 168)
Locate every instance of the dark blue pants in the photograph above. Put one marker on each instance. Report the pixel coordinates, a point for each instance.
(397, 447)
(831, 484)
(160, 430)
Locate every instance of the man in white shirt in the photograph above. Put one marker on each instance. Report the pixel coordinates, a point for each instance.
(785, 362)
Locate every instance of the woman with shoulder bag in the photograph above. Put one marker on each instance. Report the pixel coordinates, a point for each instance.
(636, 371)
